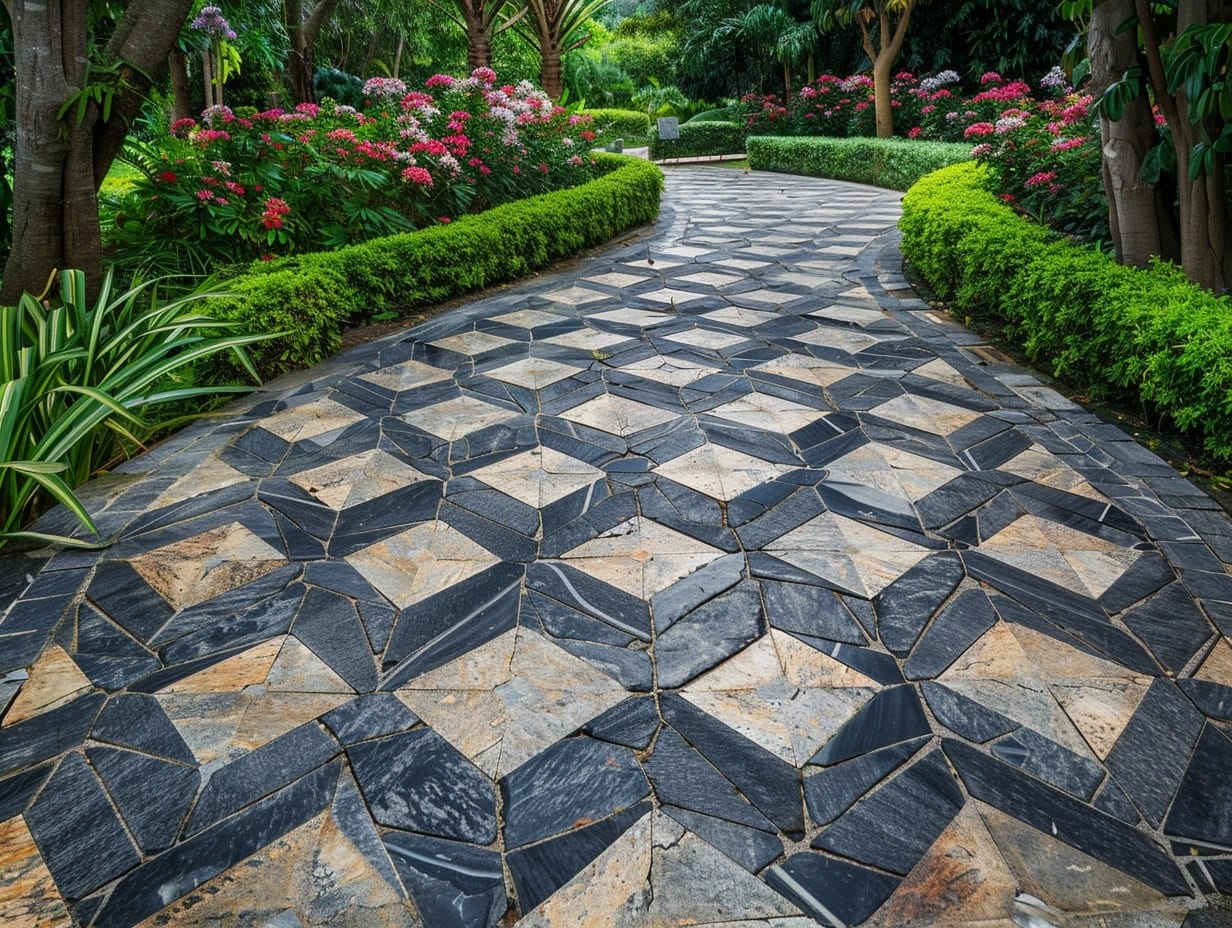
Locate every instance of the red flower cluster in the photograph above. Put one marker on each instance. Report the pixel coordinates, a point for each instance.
(275, 211)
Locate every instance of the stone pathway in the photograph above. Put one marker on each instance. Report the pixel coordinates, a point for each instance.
(716, 582)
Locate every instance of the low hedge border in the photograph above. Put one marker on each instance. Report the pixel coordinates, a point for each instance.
(311, 298)
(699, 139)
(1118, 331)
(633, 126)
(895, 164)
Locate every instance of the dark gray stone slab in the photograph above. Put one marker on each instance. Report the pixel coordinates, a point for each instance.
(329, 624)
(750, 848)
(578, 779)
(827, 889)
(1113, 801)
(965, 716)
(687, 594)
(682, 777)
(709, 634)
(368, 717)
(137, 721)
(1030, 751)
(418, 781)
(904, 607)
(955, 629)
(108, 655)
(1172, 626)
(17, 791)
(631, 723)
(152, 794)
(892, 716)
(47, 734)
(122, 593)
(831, 792)
(453, 885)
(810, 610)
(1202, 810)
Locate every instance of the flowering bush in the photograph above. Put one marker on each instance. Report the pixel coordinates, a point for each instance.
(238, 186)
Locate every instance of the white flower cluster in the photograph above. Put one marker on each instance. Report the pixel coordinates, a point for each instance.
(939, 80)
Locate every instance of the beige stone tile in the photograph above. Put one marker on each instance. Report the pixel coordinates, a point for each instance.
(298, 670)
(766, 411)
(618, 415)
(28, 894)
(357, 479)
(852, 315)
(656, 265)
(763, 296)
(407, 375)
(740, 264)
(533, 373)
(738, 315)
(618, 279)
(996, 655)
(962, 881)
(310, 420)
(848, 340)
(539, 477)
(457, 418)
(248, 668)
(204, 566)
(1046, 468)
(707, 338)
(800, 279)
(711, 279)
(1100, 708)
(529, 318)
(892, 470)
(1075, 560)
(672, 371)
(943, 371)
(420, 562)
(207, 477)
(671, 296)
(641, 557)
(1217, 668)
(577, 296)
(720, 472)
(806, 368)
(54, 680)
(587, 339)
(639, 317)
(1030, 704)
(926, 414)
(684, 251)
(473, 343)
(510, 699)
(856, 556)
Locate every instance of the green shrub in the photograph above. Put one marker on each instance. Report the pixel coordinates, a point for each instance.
(312, 298)
(892, 163)
(723, 114)
(1116, 331)
(701, 138)
(608, 125)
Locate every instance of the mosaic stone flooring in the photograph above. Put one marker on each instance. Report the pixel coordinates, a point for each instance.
(716, 582)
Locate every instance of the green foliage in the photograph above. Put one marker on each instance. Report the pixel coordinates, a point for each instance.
(701, 138)
(631, 125)
(1116, 331)
(892, 163)
(311, 298)
(722, 114)
(83, 385)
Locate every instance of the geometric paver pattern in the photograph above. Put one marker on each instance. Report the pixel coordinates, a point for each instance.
(715, 581)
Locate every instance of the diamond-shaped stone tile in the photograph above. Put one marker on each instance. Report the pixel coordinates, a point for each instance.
(847, 340)
(1044, 467)
(736, 315)
(203, 566)
(587, 339)
(806, 368)
(853, 315)
(670, 296)
(533, 373)
(210, 475)
(618, 415)
(529, 318)
(786, 696)
(311, 420)
(539, 477)
(1217, 667)
(577, 296)
(892, 470)
(765, 297)
(459, 417)
(473, 343)
(358, 479)
(710, 279)
(617, 279)
(420, 562)
(762, 410)
(720, 472)
(641, 318)
(509, 699)
(1080, 562)
(706, 338)
(937, 369)
(857, 558)
(641, 557)
(674, 371)
(740, 264)
(926, 414)
(406, 375)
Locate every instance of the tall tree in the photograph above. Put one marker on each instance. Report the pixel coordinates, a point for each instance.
(771, 30)
(883, 29)
(71, 122)
(303, 22)
(480, 19)
(554, 27)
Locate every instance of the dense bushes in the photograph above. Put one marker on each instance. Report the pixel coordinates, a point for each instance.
(701, 138)
(1115, 330)
(892, 163)
(608, 125)
(311, 298)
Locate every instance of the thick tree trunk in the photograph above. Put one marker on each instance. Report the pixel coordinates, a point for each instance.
(1133, 218)
(882, 69)
(551, 71)
(478, 41)
(177, 67)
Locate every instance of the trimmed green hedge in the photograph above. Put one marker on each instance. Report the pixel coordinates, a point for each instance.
(892, 163)
(723, 114)
(312, 297)
(1118, 331)
(701, 138)
(631, 125)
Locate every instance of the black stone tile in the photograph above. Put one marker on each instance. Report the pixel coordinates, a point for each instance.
(867, 504)
(47, 734)
(299, 507)
(540, 870)
(682, 777)
(827, 889)
(174, 873)
(1150, 756)
(685, 595)
(631, 723)
(955, 629)
(372, 716)
(1171, 625)
(574, 780)
(877, 665)
(630, 666)
(1214, 699)
(1146, 575)
(1191, 555)
(79, 836)
(417, 781)
(687, 511)
(831, 792)
(259, 621)
(1030, 751)
(1221, 875)
(329, 625)
(505, 543)
(453, 885)
(995, 450)
(1113, 801)
(1202, 810)
(772, 509)
(560, 621)
(709, 634)
(1208, 585)
(262, 771)
(1075, 823)
(892, 716)
(750, 848)
(770, 783)
(965, 716)
(893, 827)
(121, 593)
(810, 610)
(17, 791)
(45, 585)
(582, 592)
(153, 795)
(905, 606)
(370, 522)
(481, 499)
(106, 654)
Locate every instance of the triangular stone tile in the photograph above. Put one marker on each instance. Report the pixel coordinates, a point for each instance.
(806, 368)
(926, 414)
(1100, 709)
(892, 470)
(357, 479)
(941, 370)
(195, 569)
(641, 557)
(54, 680)
(1067, 557)
(1217, 668)
(420, 562)
(28, 894)
(247, 668)
(207, 477)
(1047, 469)
(298, 670)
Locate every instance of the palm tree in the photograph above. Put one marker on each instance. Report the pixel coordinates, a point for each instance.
(552, 28)
(479, 19)
(773, 31)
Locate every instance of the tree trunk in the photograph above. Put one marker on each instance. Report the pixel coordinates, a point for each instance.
(303, 34)
(882, 69)
(551, 71)
(207, 78)
(478, 41)
(177, 66)
(1133, 218)
(397, 68)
